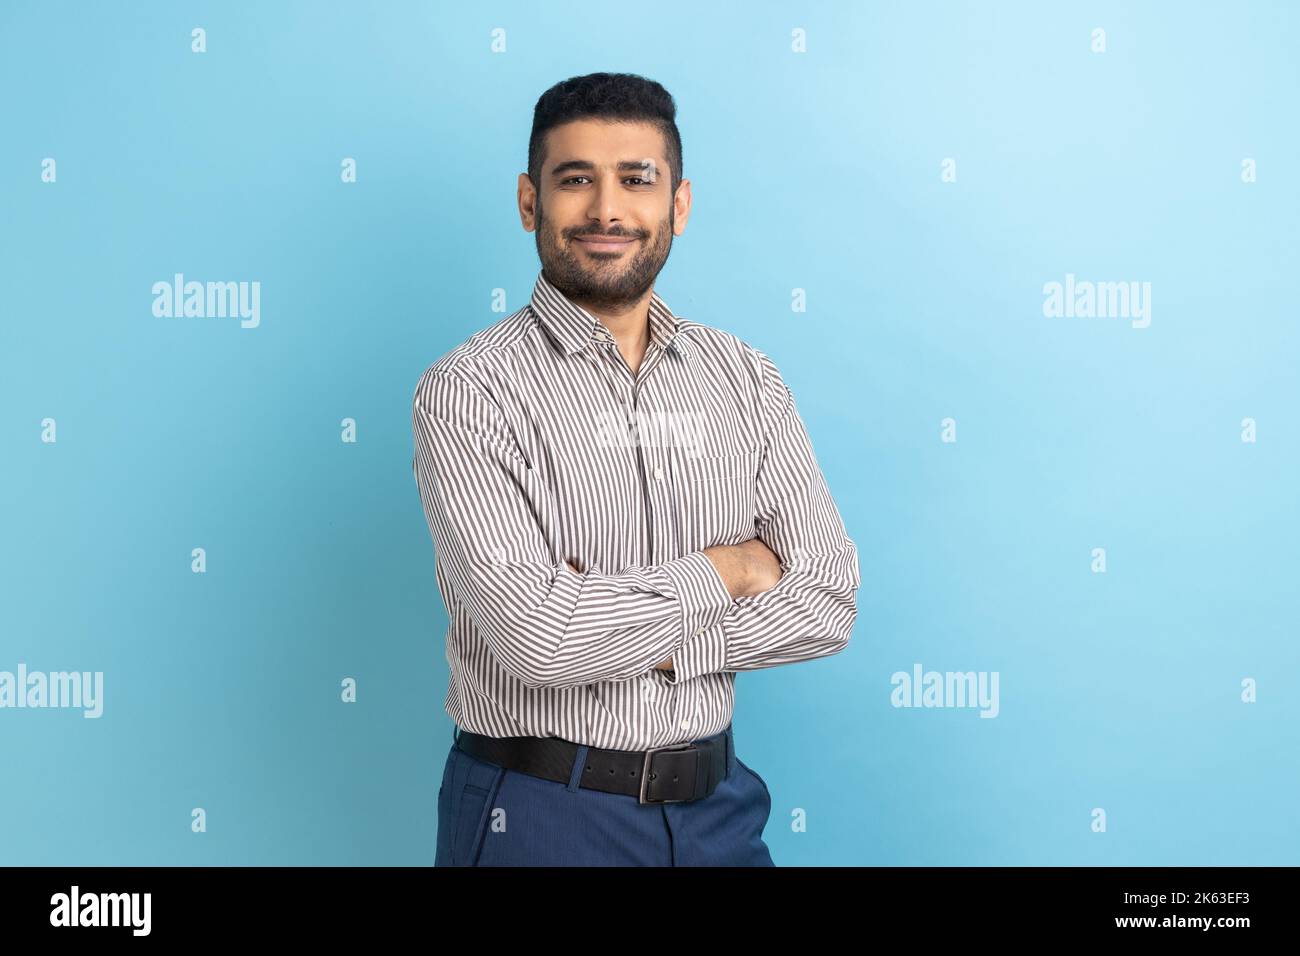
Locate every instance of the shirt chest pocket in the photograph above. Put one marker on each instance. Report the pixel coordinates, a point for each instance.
(718, 499)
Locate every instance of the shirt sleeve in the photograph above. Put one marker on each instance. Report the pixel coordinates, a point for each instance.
(494, 527)
(809, 612)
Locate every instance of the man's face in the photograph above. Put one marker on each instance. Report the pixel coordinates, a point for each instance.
(610, 181)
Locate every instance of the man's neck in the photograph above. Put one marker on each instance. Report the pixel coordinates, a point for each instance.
(630, 327)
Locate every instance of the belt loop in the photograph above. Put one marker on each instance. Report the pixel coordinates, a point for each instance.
(731, 751)
(579, 765)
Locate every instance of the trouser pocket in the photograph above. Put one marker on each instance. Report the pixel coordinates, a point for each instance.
(761, 782)
(477, 786)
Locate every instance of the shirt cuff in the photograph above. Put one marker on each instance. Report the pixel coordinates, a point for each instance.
(705, 601)
(703, 653)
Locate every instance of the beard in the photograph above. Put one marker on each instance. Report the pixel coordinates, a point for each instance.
(611, 283)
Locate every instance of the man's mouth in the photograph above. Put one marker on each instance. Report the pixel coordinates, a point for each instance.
(606, 243)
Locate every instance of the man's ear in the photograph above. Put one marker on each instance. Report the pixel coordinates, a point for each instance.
(526, 197)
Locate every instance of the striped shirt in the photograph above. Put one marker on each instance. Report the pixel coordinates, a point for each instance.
(537, 447)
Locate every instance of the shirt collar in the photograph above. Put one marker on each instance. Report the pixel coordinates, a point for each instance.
(572, 327)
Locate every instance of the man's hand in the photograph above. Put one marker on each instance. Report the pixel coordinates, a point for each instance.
(748, 568)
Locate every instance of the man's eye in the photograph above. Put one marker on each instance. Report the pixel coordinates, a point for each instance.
(634, 179)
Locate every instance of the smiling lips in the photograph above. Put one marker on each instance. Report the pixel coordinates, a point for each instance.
(606, 243)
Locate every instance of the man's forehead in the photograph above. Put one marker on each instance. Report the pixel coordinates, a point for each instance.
(605, 143)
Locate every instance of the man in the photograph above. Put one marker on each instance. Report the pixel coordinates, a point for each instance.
(626, 511)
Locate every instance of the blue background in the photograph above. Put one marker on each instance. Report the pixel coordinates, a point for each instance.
(817, 171)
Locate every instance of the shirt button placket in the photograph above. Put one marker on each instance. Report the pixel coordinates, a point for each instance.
(662, 509)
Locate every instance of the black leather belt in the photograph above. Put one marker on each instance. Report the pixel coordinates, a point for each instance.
(672, 774)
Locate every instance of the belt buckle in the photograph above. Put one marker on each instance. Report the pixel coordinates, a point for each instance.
(645, 770)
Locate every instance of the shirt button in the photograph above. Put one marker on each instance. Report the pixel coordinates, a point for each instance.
(686, 724)
(659, 473)
(700, 632)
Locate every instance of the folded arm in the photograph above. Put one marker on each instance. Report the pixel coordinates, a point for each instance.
(810, 611)
(493, 525)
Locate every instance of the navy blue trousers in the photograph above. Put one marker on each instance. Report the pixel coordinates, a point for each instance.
(491, 816)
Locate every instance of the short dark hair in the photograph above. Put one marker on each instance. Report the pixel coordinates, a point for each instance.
(609, 96)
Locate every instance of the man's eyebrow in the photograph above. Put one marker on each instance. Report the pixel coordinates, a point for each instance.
(587, 166)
